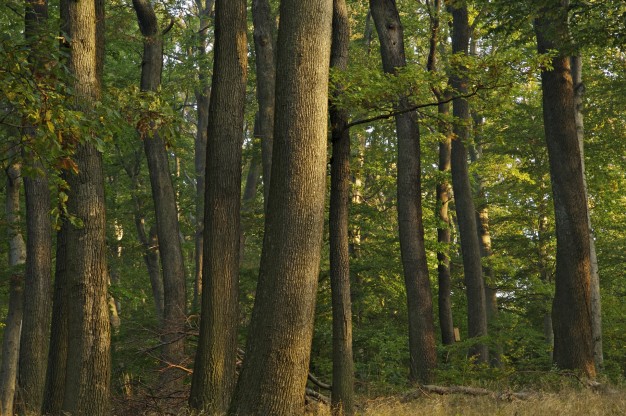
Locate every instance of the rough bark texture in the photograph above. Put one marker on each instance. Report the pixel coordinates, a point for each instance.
(340, 178)
(166, 211)
(419, 298)
(443, 187)
(38, 302)
(205, 7)
(596, 306)
(57, 353)
(13, 323)
(87, 374)
(571, 309)
(275, 370)
(464, 203)
(264, 53)
(214, 370)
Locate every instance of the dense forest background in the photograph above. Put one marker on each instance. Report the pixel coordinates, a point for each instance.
(498, 74)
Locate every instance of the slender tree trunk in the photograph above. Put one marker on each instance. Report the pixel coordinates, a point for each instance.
(38, 302)
(166, 211)
(544, 267)
(264, 52)
(214, 369)
(57, 353)
(275, 370)
(17, 257)
(571, 310)
(202, 93)
(419, 298)
(443, 187)
(464, 203)
(596, 307)
(343, 365)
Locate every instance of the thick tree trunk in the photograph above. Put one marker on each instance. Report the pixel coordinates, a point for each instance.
(166, 211)
(423, 356)
(571, 310)
(264, 53)
(596, 306)
(443, 188)
(13, 323)
(464, 203)
(214, 369)
(343, 365)
(275, 370)
(85, 388)
(202, 93)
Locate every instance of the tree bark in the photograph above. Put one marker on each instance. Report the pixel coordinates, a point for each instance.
(214, 370)
(340, 178)
(596, 306)
(17, 257)
(38, 302)
(166, 211)
(443, 187)
(264, 53)
(571, 309)
(423, 356)
(275, 370)
(202, 103)
(464, 203)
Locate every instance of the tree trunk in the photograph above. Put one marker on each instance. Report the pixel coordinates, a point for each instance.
(571, 309)
(419, 298)
(17, 257)
(275, 370)
(264, 53)
(464, 203)
(596, 307)
(343, 365)
(166, 211)
(38, 302)
(57, 353)
(214, 369)
(443, 188)
(202, 102)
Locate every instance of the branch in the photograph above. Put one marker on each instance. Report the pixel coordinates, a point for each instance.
(318, 383)
(417, 107)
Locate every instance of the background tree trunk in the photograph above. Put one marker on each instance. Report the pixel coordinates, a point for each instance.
(423, 356)
(275, 369)
(17, 257)
(205, 8)
(571, 309)
(443, 186)
(463, 201)
(264, 53)
(166, 211)
(343, 365)
(214, 370)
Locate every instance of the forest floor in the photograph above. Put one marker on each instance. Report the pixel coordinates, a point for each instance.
(570, 402)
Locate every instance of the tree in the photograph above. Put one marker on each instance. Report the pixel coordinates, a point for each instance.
(419, 299)
(38, 301)
(214, 370)
(340, 179)
(164, 197)
(571, 310)
(443, 186)
(463, 201)
(83, 280)
(17, 256)
(275, 369)
(264, 53)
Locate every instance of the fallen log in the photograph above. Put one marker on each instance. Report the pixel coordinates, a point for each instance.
(470, 391)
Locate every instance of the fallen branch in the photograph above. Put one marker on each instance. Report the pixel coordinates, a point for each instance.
(319, 397)
(318, 383)
(470, 391)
